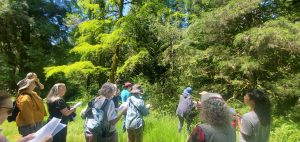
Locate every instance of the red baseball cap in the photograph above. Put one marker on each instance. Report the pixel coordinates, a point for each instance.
(127, 84)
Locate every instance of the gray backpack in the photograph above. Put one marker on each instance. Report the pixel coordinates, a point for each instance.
(95, 119)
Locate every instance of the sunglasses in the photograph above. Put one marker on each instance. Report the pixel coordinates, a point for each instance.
(9, 109)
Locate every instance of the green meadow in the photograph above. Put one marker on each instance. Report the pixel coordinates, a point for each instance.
(163, 128)
(157, 129)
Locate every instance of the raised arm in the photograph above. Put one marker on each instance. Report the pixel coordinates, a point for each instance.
(39, 83)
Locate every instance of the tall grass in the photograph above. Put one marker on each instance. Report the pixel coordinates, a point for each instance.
(285, 130)
(157, 129)
(161, 128)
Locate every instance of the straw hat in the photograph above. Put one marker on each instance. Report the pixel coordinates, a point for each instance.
(23, 84)
(136, 89)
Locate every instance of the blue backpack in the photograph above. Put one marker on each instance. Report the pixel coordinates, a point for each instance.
(95, 119)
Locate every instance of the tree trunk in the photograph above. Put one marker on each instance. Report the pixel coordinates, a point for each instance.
(115, 58)
(114, 66)
(121, 6)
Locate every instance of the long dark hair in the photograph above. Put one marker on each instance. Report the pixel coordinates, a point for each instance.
(262, 105)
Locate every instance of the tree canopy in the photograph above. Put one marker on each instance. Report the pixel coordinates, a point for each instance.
(225, 46)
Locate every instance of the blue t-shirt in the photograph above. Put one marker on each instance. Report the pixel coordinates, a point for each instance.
(124, 95)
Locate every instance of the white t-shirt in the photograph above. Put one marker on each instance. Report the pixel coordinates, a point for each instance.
(251, 126)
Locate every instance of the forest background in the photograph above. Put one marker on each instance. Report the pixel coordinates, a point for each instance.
(224, 46)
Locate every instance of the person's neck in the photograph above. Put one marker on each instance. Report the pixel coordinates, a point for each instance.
(252, 107)
(27, 92)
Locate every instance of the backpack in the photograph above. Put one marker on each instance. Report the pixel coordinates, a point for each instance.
(95, 119)
(15, 111)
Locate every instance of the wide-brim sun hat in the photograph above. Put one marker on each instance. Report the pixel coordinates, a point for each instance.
(136, 89)
(23, 84)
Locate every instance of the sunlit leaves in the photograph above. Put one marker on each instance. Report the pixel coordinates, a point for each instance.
(89, 31)
(279, 34)
(131, 64)
(84, 67)
(217, 26)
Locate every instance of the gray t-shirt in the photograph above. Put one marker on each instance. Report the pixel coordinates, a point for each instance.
(250, 126)
(185, 105)
(218, 133)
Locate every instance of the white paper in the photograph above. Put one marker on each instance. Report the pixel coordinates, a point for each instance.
(59, 127)
(148, 106)
(52, 126)
(122, 106)
(77, 105)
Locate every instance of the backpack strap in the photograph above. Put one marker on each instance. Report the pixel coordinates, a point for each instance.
(104, 104)
(92, 102)
(135, 106)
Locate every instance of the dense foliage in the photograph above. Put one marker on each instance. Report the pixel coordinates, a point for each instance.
(225, 46)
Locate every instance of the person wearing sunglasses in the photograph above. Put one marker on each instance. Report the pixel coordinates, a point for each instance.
(6, 108)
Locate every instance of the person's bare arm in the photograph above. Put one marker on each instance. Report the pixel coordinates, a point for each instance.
(39, 83)
(67, 112)
(114, 121)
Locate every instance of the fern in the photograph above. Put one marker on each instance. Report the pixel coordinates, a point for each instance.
(85, 67)
(132, 62)
(287, 132)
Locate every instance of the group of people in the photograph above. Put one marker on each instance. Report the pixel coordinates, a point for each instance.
(215, 114)
(219, 121)
(31, 109)
(30, 117)
(133, 109)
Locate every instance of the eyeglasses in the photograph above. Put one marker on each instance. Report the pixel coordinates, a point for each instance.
(9, 109)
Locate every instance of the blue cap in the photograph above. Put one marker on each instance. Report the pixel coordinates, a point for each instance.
(187, 91)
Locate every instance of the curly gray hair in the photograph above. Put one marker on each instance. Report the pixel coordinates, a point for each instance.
(215, 112)
(107, 90)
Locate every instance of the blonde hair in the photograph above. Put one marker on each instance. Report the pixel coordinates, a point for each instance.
(53, 94)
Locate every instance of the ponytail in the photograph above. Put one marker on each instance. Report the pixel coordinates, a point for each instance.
(262, 106)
